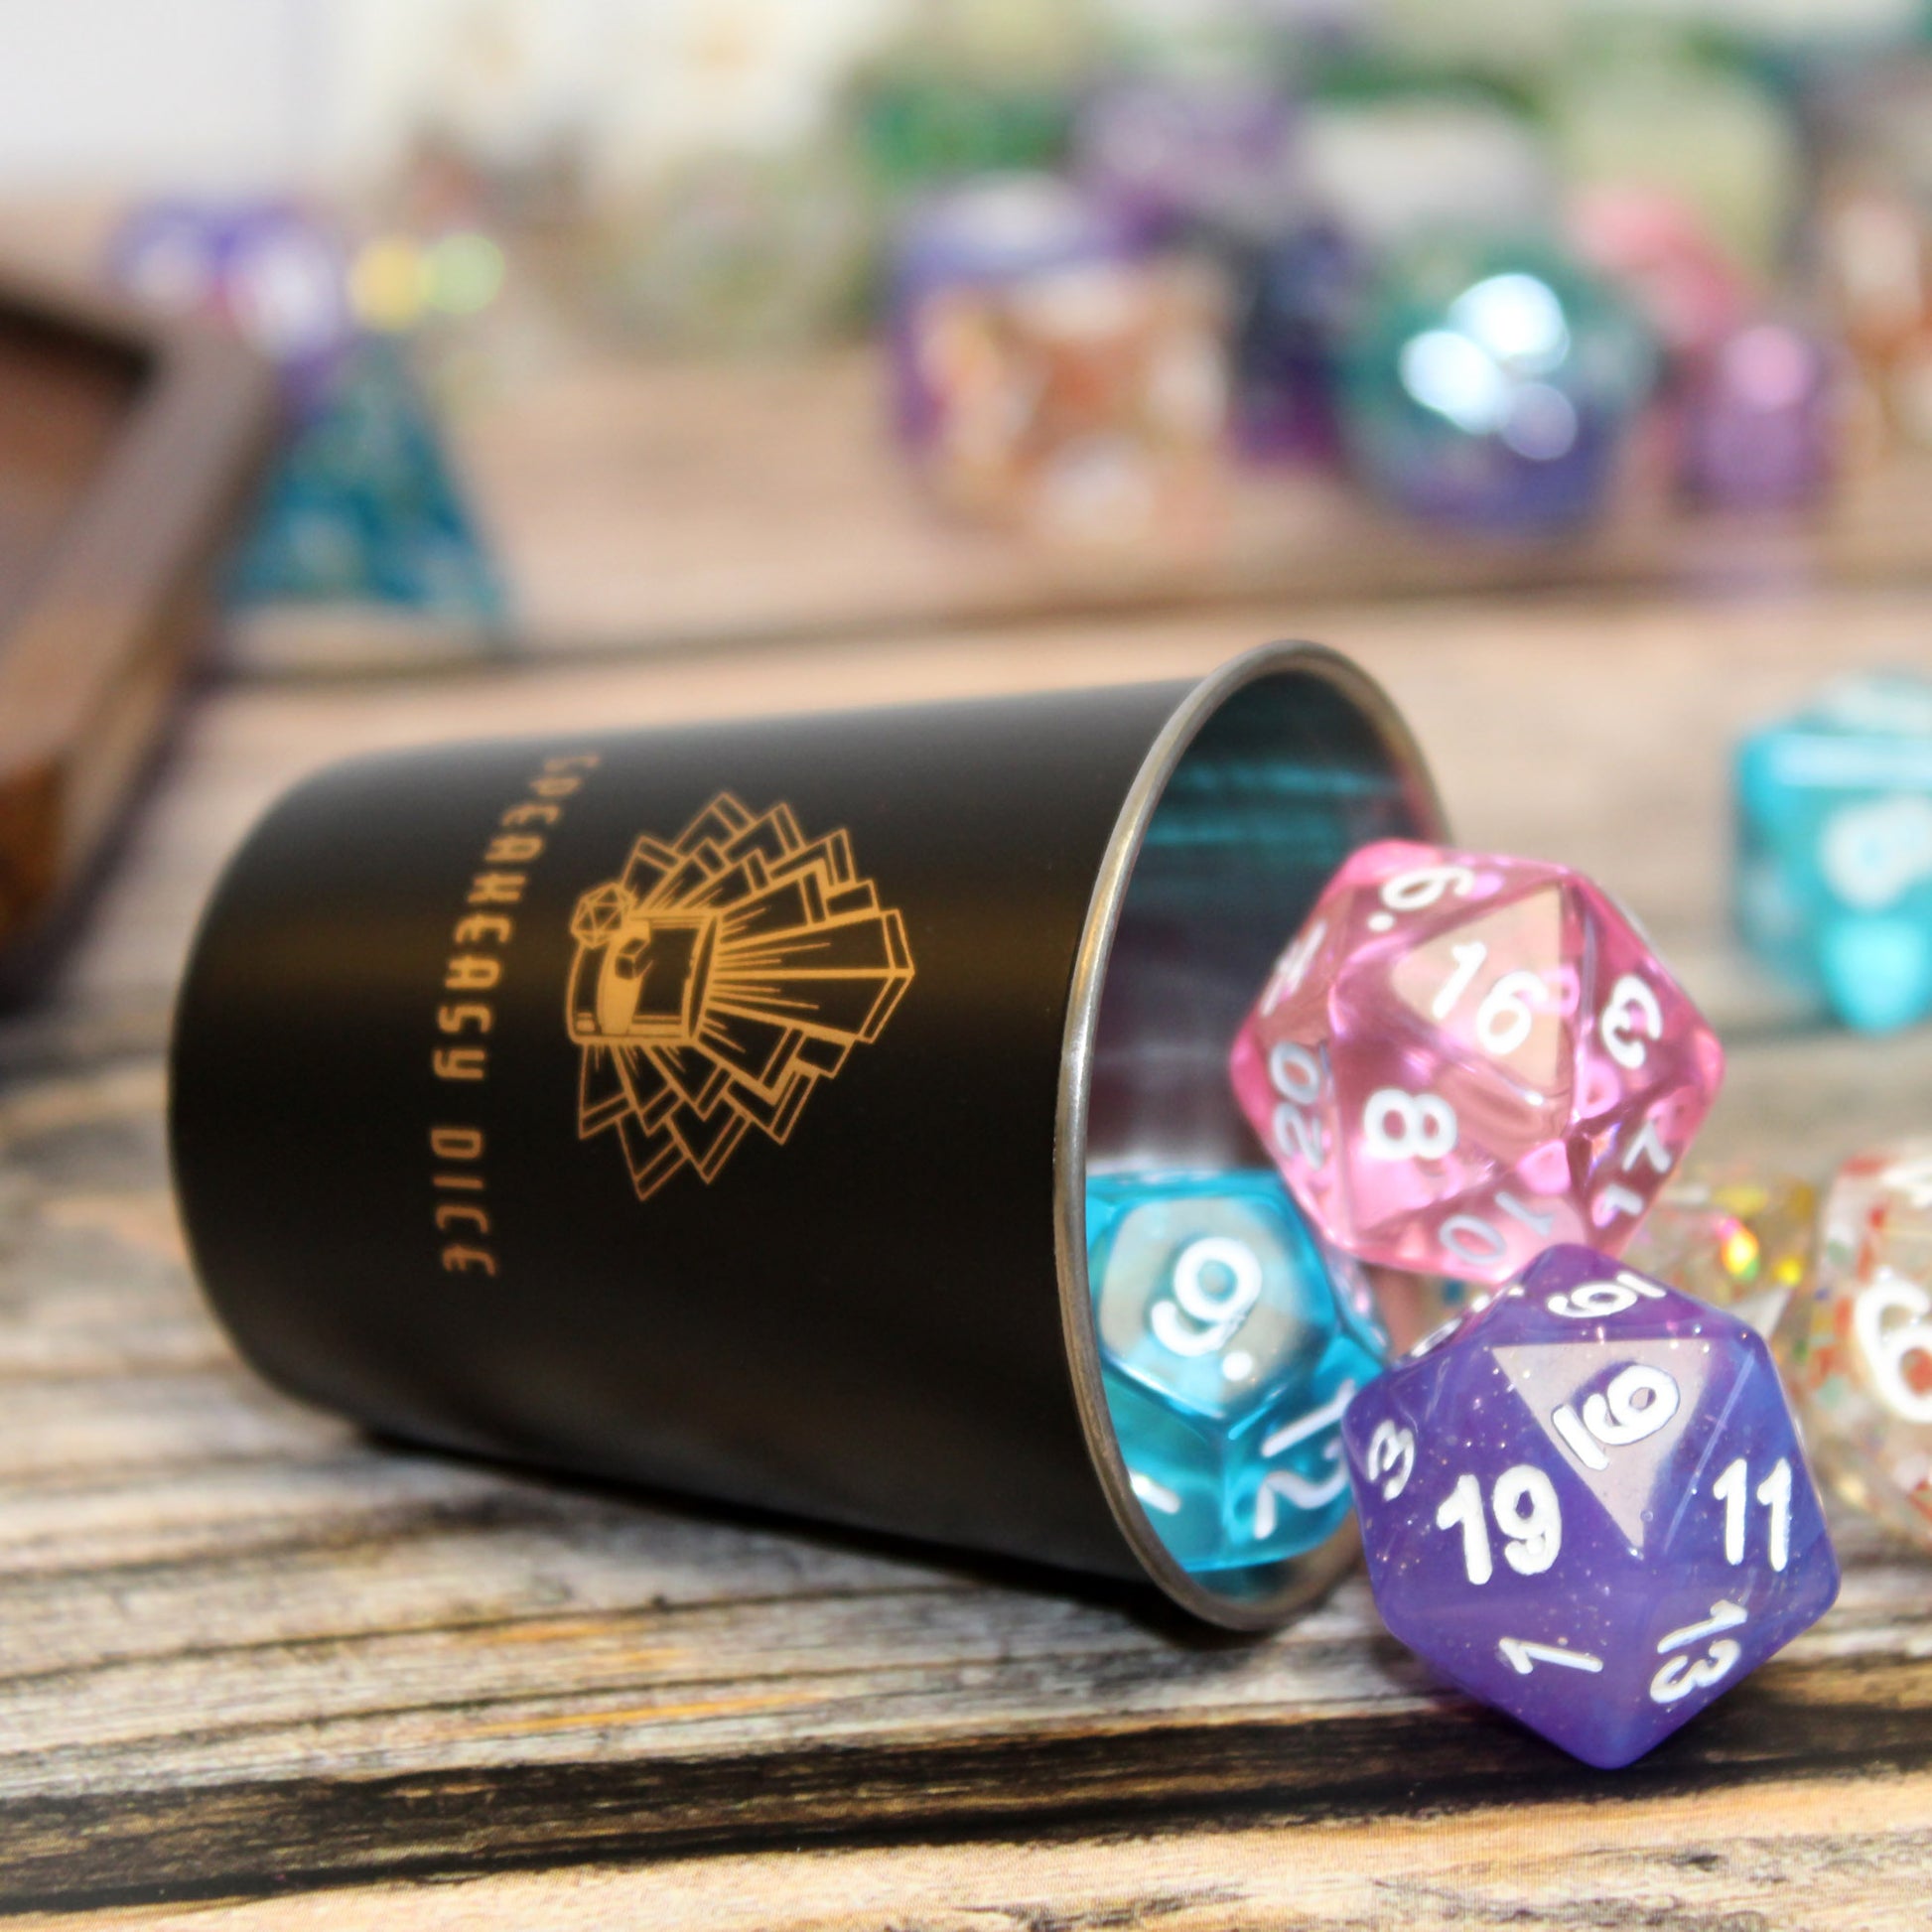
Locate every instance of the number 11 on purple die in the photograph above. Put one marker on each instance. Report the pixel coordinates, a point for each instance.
(1460, 1060)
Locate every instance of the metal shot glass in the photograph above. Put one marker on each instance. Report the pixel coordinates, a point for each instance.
(711, 1108)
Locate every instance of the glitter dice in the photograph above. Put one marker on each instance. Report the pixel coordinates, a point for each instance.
(1230, 1344)
(1054, 376)
(1586, 1504)
(1493, 388)
(1857, 1348)
(1741, 1241)
(1834, 878)
(1461, 1060)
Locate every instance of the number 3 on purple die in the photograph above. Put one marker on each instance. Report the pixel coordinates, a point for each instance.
(1391, 1458)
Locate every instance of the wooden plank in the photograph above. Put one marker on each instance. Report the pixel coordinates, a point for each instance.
(1846, 1858)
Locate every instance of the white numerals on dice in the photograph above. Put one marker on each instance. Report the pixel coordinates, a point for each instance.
(1202, 1319)
(1912, 1178)
(1391, 1458)
(1469, 963)
(1296, 1490)
(1508, 1009)
(1523, 1657)
(1733, 1490)
(1417, 891)
(1630, 1019)
(1646, 1147)
(1524, 1502)
(1296, 1077)
(1399, 1126)
(1593, 1300)
(1888, 1348)
(1682, 1675)
(1638, 1403)
(1292, 966)
(1480, 1242)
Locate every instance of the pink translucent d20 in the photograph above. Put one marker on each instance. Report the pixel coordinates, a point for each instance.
(1464, 1059)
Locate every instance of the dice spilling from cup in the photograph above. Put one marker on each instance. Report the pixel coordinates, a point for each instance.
(1585, 1498)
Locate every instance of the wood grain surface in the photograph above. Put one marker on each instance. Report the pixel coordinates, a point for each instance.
(258, 1671)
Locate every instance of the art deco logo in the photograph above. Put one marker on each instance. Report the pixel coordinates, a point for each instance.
(719, 980)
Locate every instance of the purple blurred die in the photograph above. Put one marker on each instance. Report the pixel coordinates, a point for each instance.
(1757, 423)
(1169, 151)
(990, 234)
(1296, 296)
(1054, 376)
(1585, 1503)
(267, 269)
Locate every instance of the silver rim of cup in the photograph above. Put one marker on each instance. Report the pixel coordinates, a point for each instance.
(1273, 1592)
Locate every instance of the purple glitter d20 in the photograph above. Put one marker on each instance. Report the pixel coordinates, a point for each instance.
(1586, 1504)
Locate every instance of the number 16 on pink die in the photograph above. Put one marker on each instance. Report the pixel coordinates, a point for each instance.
(1461, 1060)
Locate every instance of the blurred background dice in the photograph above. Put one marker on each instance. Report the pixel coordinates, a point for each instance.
(1494, 385)
(1758, 420)
(1462, 1058)
(1056, 374)
(1833, 818)
(1230, 1342)
(1739, 1240)
(1857, 1348)
(269, 269)
(1586, 1504)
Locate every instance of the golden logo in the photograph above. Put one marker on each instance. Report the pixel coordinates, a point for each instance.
(719, 980)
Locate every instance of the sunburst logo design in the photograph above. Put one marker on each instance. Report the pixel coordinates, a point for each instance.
(719, 980)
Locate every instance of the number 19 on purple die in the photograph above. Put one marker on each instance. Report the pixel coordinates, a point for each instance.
(1585, 1502)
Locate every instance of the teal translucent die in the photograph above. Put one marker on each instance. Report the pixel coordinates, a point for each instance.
(1493, 385)
(1833, 878)
(364, 507)
(1231, 1340)
(1174, 1462)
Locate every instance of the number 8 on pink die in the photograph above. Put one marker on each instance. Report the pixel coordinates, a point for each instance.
(1464, 1059)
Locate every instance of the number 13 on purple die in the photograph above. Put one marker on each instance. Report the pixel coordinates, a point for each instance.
(1463, 1060)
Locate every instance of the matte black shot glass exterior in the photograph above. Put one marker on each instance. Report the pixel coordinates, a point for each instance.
(711, 1108)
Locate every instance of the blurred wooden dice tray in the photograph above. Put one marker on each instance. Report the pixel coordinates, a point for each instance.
(127, 451)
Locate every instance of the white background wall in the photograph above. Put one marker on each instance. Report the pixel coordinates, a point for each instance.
(158, 94)
(163, 94)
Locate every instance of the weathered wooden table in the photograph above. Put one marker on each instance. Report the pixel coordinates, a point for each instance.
(258, 1671)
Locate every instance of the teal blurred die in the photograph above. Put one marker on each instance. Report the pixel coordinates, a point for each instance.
(1231, 1341)
(1833, 873)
